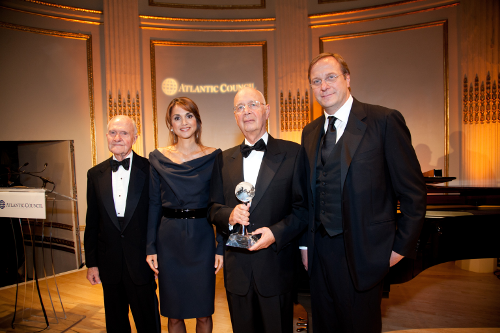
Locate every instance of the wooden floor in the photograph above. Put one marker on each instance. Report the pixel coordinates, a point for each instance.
(443, 299)
(444, 296)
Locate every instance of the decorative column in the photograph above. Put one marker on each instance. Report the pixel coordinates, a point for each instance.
(123, 75)
(292, 43)
(480, 46)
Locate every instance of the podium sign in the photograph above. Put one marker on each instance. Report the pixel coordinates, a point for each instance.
(22, 203)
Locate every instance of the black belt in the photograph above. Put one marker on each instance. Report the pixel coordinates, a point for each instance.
(185, 213)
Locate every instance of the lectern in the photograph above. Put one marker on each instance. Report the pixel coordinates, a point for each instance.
(33, 205)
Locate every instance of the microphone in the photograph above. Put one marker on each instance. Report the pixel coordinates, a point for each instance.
(25, 164)
(44, 167)
(44, 180)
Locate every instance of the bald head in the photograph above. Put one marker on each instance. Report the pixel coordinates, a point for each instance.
(122, 134)
(252, 119)
(123, 118)
(250, 90)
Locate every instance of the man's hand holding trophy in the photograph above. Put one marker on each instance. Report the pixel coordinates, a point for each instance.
(245, 192)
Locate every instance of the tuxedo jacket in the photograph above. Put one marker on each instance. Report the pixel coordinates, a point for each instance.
(106, 245)
(280, 203)
(378, 167)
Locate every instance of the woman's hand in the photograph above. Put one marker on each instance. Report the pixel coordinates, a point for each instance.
(218, 263)
(153, 263)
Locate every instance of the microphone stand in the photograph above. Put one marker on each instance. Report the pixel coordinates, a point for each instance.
(33, 174)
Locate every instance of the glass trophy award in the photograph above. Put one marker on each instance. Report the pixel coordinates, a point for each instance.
(244, 192)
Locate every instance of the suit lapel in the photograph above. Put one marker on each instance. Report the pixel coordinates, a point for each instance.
(235, 167)
(135, 187)
(313, 149)
(106, 189)
(353, 134)
(270, 163)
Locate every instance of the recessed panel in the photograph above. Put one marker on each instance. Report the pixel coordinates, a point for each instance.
(44, 88)
(209, 75)
(402, 70)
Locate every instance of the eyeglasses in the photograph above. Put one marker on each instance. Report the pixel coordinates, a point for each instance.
(252, 105)
(330, 79)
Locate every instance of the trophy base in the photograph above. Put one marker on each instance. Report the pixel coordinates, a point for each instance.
(241, 241)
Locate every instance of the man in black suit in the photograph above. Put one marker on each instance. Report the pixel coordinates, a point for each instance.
(259, 280)
(115, 234)
(360, 163)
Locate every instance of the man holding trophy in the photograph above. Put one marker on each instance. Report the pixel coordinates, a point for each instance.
(259, 218)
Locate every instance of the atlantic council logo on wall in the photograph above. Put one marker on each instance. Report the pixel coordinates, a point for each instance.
(170, 87)
(2, 204)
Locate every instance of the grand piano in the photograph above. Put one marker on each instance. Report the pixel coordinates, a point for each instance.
(460, 223)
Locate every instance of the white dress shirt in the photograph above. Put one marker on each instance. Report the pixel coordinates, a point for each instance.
(120, 180)
(251, 164)
(342, 116)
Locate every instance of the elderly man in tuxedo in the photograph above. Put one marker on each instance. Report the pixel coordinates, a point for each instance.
(115, 234)
(259, 280)
(360, 164)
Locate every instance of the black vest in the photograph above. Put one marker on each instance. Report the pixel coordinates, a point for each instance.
(328, 195)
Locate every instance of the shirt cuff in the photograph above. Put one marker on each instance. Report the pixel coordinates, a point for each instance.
(303, 247)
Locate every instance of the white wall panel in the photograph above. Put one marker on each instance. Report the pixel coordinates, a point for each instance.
(217, 64)
(402, 70)
(45, 92)
(209, 74)
(397, 66)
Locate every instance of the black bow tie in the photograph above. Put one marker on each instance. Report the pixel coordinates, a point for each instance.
(116, 164)
(259, 146)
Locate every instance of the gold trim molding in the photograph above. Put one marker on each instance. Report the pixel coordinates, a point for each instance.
(444, 24)
(43, 3)
(74, 194)
(154, 43)
(90, 70)
(262, 5)
(320, 2)
(359, 10)
(180, 19)
(51, 16)
(209, 30)
(316, 26)
(378, 32)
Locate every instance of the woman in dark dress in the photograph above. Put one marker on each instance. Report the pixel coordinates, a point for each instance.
(181, 244)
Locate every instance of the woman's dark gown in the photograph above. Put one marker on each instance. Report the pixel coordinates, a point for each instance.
(185, 247)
